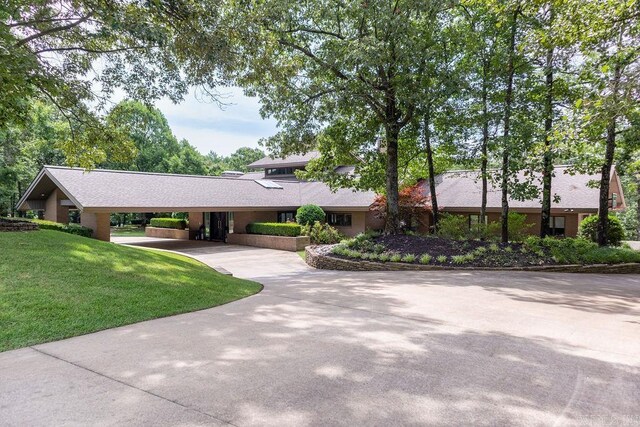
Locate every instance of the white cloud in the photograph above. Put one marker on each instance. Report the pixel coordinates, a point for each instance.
(209, 127)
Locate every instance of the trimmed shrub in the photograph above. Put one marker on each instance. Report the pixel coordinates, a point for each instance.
(309, 214)
(65, 228)
(287, 229)
(179, 224)
(589, 229)
(320, 233)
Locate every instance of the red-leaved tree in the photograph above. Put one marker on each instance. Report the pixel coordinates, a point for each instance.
(413, 206)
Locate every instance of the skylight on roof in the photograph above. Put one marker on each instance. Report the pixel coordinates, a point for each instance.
(268, 184)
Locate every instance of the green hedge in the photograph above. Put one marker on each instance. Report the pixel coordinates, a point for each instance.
(274, 228)
(180, 224)
(65, 228)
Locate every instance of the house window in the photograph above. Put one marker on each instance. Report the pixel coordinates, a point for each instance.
(287, 216)
(281, 171)
(556, 225)
(474, 221)
(339, 219)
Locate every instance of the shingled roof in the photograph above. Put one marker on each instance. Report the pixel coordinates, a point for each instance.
(289, 161)
(123, 190)
(463, 189)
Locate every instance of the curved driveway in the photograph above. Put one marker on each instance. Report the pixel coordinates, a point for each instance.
(350, 348)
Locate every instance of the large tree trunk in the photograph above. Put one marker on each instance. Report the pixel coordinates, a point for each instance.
(547, 166)
(637, 178)
(485, 141)
(507, 128)
(603, 213)
(431, 168)
(392, 224)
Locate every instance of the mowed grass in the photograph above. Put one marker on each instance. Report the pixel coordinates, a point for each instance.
(127, 231)
(55, 285)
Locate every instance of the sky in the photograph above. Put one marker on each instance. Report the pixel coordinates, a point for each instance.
(209, 127)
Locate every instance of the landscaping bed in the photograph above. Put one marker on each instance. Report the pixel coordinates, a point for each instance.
(438, 251)
(17, 224)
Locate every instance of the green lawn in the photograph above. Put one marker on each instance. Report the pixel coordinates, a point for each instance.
(128, 231)
(55, 285)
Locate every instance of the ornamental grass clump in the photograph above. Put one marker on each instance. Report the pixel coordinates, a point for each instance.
(408, 258)
(442, 259)
(425, 259)
(384, 257)
(459, 259)
(395, 257)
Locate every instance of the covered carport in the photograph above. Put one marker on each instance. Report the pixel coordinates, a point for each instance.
(98, 193)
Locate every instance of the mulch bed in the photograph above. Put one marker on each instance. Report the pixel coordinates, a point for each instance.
(436, 246)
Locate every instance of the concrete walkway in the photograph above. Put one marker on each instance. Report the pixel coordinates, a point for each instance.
(335, 348)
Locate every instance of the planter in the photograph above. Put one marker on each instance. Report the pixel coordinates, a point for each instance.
(282, 243)
(166, 233)
(328, 262)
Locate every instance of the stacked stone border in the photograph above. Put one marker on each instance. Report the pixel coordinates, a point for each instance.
(327, 262)
(17, 225)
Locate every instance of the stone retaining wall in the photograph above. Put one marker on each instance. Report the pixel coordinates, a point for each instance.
(18, 226)
(282, 243)
(316, 260)
(166, 233)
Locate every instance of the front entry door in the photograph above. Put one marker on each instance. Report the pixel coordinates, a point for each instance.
(218, 226)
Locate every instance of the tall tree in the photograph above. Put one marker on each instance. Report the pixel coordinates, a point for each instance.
(608, 33)
(506, 137)
(155, 147)
(348, 73)
(76, 53)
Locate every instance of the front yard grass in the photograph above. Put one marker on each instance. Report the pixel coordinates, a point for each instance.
(55, 285)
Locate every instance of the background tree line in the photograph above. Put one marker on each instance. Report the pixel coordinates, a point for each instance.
(401, 89)
(154, 148)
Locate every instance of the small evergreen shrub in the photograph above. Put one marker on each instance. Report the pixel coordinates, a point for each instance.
(453, 227)
(177, 223)
(309, 214)
(274, 228)
(589, 229)
(518, 227)
(494, 247)
(442, 259)
(321, 234)
(384, 257)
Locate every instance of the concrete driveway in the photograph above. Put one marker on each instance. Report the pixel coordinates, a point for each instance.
(335, 348)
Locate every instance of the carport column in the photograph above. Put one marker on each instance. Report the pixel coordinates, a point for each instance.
(53, 210)
(195, 221)
(99, 223)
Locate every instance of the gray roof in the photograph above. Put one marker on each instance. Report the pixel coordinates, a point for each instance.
(102, 189)
(289, 161)
(463, 189)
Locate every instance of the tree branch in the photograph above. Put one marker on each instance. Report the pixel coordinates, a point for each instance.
(53, 30)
